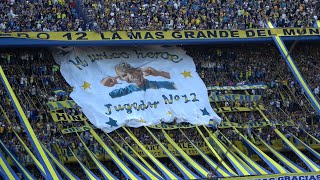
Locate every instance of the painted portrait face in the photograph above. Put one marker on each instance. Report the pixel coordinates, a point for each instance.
(129, 74)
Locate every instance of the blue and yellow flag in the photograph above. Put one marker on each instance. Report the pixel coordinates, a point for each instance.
(203, 172)
(287, 162)
(220, 171)
(104, 171)
(128, 173)
(214, 152)
(239, 166)
(294, 69)
(59, 92)
(90, 175)
(254, 166)
(50, 171)
(185, 171)
(147, 173)
(165, 171)
(311, 165)
(140, 157)
(6, 170)
(276, 168)
(64, 169)
(24, 171)
(315, 153)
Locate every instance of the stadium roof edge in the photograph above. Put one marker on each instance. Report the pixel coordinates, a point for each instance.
(21, 42)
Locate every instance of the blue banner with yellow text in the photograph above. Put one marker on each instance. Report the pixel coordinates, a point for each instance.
(234, 97)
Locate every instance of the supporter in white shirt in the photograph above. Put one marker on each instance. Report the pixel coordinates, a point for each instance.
(226, 104)
(253, 91)
(21, 81)
(278, 104)
(11, 14)
(316, 91)
(17, 128)
(268, 139)
(2, 26)
(38, 25)
(33, 91)
(25, 81)
(271, 103)
(176, 6)
(45, 29)
(28, 114)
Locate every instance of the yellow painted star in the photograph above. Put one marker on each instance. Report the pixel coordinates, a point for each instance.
(142, 121)
(186, 74)
(169, 113)
(86, 85)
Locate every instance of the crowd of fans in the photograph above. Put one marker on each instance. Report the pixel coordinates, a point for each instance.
(198, 14)
(97, 15)
(34, 76)
(43, 16)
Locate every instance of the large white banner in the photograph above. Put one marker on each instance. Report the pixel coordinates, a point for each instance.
(135, 86)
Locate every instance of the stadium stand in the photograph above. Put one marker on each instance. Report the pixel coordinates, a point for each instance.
(42, 16)
(94, 15)
(198, 14)
(272, 133)
(35, 77)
